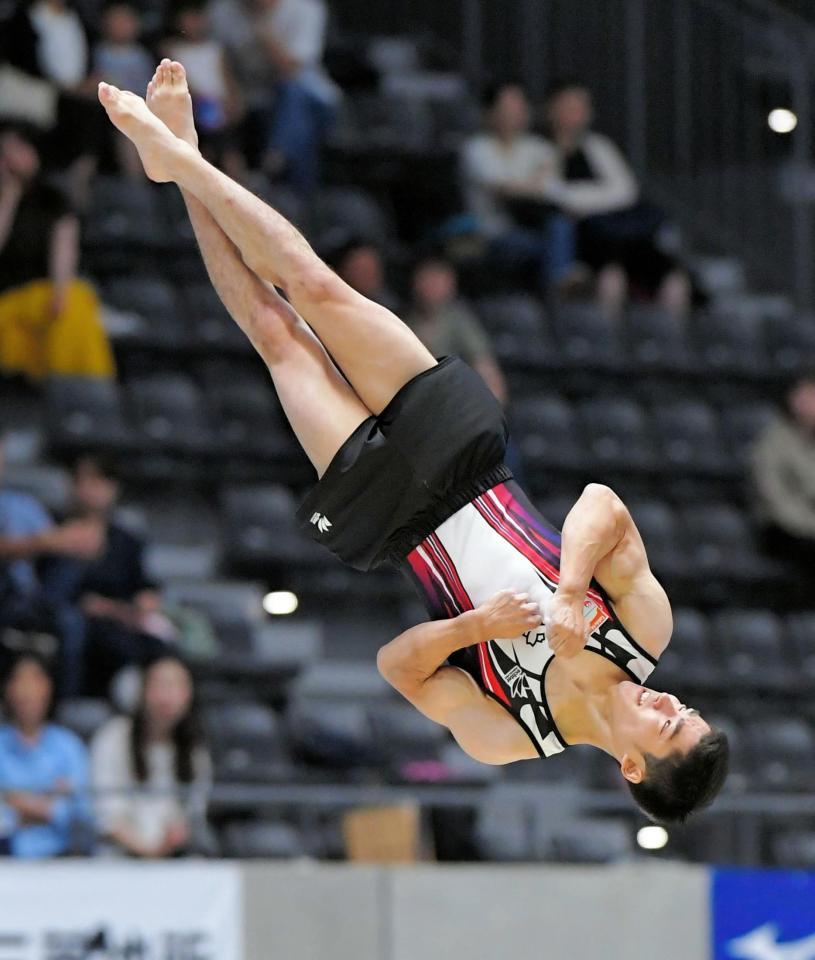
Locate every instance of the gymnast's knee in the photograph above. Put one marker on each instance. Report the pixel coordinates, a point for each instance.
(274, 332)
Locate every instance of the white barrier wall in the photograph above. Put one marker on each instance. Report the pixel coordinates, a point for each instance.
(98, 910)
(548, 913)
(295, 911)
(477, 912)
(303, 911)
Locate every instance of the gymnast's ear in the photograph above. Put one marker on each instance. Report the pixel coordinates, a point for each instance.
(631, 770)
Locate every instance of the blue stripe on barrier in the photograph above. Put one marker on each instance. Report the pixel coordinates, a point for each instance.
(763, 915)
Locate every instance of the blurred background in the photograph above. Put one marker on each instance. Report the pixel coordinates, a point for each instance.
(607, 208)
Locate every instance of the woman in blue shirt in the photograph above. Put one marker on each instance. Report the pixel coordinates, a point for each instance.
(43, 769)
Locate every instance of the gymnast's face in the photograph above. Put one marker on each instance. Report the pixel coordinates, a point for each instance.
(646, 721)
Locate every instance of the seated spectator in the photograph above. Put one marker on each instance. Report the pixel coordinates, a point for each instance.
(592, 182)
(120, 59)
(50, 321)
(278, 46)
(361, 266)
(506, 169)
(48, 42)
(21, 516)
(783, 474)
(151, 773)
(120, 604)
(446, 325)
(44, 810)
(27, 534)
(216, 98)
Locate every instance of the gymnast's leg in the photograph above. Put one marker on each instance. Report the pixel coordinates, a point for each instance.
(375, 350)
(320, 405)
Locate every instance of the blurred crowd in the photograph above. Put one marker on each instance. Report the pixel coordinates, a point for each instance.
(560, 208)
(76, 610)
(139, 790)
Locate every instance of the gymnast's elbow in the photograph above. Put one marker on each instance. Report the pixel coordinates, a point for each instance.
(388, 663)
(600, 495)
(600, 491)
(393, 663)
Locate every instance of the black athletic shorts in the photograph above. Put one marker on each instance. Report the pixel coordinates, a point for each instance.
(437, 445)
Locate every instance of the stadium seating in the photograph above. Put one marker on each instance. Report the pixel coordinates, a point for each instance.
(783, 749)
(247, 744)
(619, 434)
(795, 848)
(85, 413)
(263, 840)
(169, 413)
(657, 339)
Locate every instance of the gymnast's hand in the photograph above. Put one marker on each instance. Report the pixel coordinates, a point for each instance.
(508, 614)
(565, 626)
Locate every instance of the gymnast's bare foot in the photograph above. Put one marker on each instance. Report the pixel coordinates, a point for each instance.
(168, 97)
(157, 147)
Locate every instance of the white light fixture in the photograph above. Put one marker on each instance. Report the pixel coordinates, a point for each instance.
(782, 120)
(652, 837)
(280, 603)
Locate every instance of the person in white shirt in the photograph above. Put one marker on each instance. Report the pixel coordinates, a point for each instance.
(278, 45)
(47, 40)
(151, 773)
(217, 101)
(591, 181)
(506, 170)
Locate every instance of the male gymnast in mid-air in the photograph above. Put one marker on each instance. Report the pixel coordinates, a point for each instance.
(539, 640)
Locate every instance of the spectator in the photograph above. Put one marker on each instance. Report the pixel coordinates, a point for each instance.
(21, 517)
(43, 770)
(28, 534)
(49, 320)
(361, 266)
(120, 59)
(279, 45)
(506, 169)
(783, 471)
(216, 98)
(48, 42)
(120, 604)
(592, 182)
(446, 325)
(151, 772)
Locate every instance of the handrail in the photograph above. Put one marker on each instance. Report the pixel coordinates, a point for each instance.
(226, 796)
(339, 795)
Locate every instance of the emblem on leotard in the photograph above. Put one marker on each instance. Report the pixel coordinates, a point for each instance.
(322, 523)
(516, 680)
(593, 616)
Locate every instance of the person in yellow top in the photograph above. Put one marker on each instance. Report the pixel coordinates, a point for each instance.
(50, 320)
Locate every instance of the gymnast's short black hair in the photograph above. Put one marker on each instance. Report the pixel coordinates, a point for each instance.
(678, 785)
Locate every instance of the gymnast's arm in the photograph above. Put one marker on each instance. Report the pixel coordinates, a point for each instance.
(414, 664)
(601, 540)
